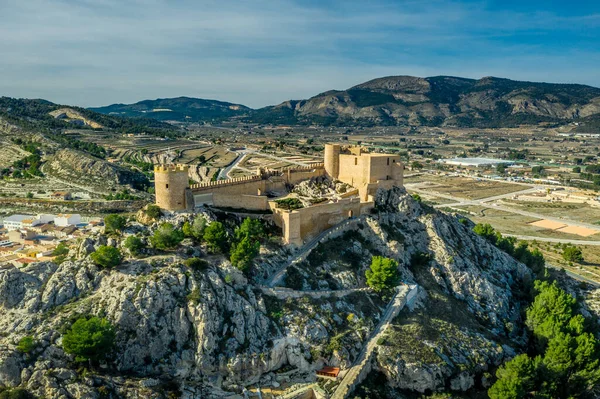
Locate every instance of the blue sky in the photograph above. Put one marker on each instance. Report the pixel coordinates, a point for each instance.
(261, 52)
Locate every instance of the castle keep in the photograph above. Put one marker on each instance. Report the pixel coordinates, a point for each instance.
(364, 172)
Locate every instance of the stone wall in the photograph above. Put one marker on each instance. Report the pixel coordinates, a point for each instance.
(304, 224)
(243, 185)
(296, 175)
(243, 201)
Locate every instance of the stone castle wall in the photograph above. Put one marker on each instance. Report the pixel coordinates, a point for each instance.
(365, 172)
(250, 192)
(243, 201)
(303, 224)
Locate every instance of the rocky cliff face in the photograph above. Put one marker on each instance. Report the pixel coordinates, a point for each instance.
(78, 167)
(467, 320)
(209, 333)
(74, 117)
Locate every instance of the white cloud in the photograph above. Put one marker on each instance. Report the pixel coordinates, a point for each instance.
(95, 52)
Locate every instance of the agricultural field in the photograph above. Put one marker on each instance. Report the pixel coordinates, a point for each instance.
(463, 187)
(513, 224)
(577, 212)
(214, 156)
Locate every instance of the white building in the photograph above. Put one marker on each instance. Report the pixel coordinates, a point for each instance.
(476, 162)
(45, 218)
(63, 220)
(15, 222)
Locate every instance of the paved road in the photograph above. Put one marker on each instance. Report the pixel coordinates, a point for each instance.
(394, 307)
(555, 240)
(575, 275)
(224, 173)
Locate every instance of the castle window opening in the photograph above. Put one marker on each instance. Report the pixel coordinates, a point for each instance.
(355, 161)
(350, 214)
(167, 185)
(388, 161)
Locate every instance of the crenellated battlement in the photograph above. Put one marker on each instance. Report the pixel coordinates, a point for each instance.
(171, 168)
(228, 182)
(318, 165)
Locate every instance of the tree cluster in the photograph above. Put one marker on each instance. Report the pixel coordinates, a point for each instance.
(564, 357)
(89, 339)
(383, 274)
(166, 236)
(246, 243)
(107, 257)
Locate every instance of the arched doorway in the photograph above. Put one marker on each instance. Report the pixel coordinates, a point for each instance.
(350, 214)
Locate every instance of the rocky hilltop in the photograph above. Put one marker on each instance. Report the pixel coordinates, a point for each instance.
(400, 100)
(193, 333)
(442, 101)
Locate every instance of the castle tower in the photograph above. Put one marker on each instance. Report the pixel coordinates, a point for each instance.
(332, 160)
(170, 185)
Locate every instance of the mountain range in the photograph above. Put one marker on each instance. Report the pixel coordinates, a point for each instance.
(399, 100)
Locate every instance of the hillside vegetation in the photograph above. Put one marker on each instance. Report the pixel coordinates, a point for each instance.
(182, 109)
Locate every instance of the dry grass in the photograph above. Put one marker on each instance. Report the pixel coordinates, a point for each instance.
(577, 212)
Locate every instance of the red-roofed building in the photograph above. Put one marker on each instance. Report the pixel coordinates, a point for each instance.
(329, 372)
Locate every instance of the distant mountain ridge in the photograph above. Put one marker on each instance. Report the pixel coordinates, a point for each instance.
(399, 100)
(183, 109)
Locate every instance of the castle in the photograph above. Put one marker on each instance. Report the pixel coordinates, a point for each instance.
(364, 172)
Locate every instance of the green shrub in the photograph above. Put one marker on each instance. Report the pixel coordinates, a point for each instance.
(383, 274)
(194, 296)
(15, 393)
(216, 237)
(289, 204)
(572, 254)
(196, 264)
(89, 339)
(250, 228)
(196, 228)
(153, 211)
(166, 236)
(61, 249)
(26, 344)
(134, 245)
(107, 256)
(114, 223)
(243, 253)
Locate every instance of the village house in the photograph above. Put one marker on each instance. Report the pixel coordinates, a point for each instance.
(63, 220)
(61, 195)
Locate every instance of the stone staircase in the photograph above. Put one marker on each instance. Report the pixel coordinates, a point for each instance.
(309, 246)
(362, 366)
